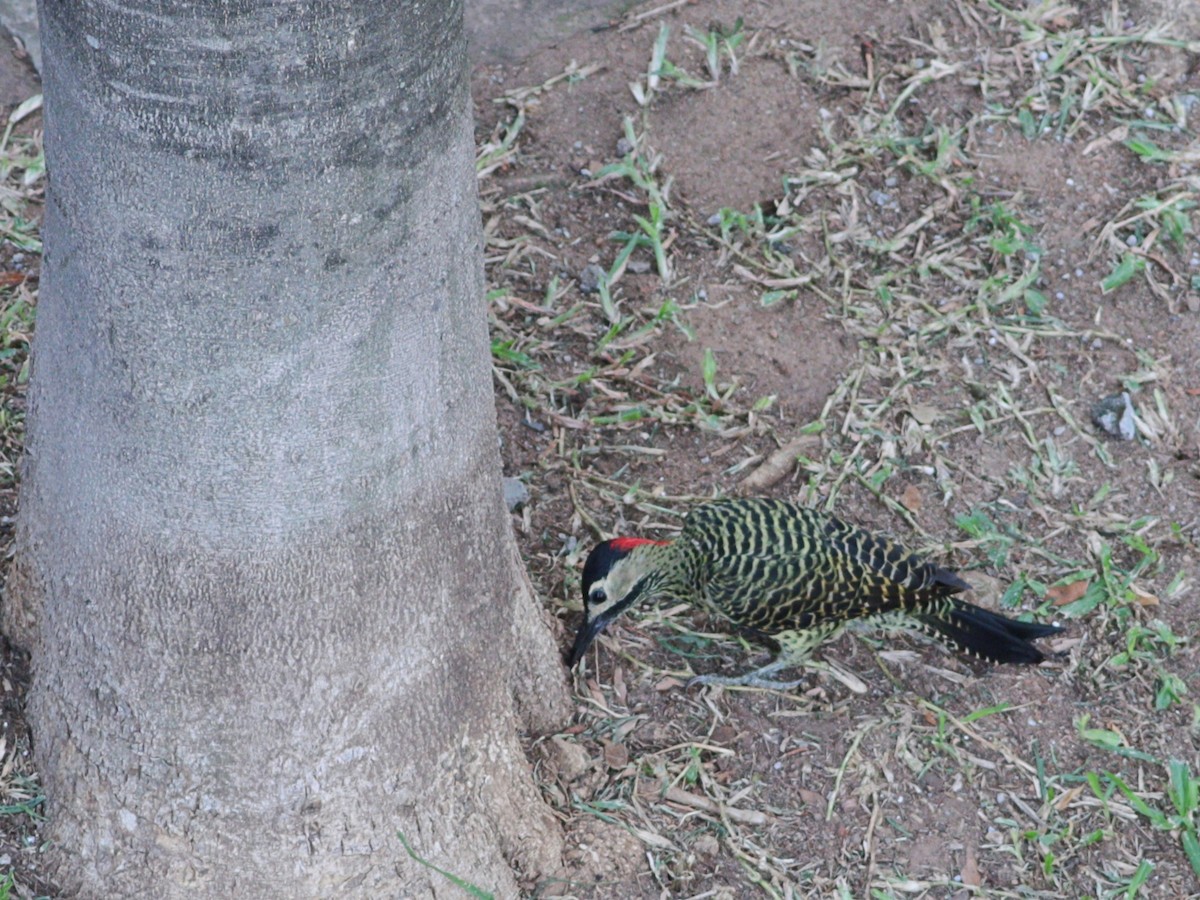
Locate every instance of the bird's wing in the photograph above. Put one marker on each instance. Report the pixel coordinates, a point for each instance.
(773, 593)
(840, 573)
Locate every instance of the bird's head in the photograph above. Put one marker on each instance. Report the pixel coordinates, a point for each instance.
(616, 575)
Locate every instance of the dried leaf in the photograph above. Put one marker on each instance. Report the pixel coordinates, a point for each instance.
(1141, 598)
(1062, 594)
(911, 498)
(1067, 798)
(970, 870)
(810, 798)
(616, 756)
(924, 413)
(618, 682)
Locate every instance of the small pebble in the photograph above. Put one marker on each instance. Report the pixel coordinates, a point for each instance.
(1114, 416)
(1070, 182)
(879, 198)
(1131, 241)
(624, 147)
(515, 493)
(1043, 56)
(1079, 273)
(590, 278)
(1059, 295)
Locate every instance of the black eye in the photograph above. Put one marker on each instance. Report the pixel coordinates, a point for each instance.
(597, 596)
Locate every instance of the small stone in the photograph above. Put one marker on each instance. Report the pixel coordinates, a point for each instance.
(639, 267)
(624, 147)
(879, 198)
(570, 759)
(1114, 416)
(1131, 241)
(515, 493)
(590, 278)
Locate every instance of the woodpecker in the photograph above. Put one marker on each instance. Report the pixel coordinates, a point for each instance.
(796, 577)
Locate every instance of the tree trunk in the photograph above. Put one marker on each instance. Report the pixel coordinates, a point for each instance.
(274, 604)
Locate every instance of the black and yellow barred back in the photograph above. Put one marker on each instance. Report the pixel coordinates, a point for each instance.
(773, 566)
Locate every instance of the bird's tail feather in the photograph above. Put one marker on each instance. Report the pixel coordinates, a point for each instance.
(985, 634)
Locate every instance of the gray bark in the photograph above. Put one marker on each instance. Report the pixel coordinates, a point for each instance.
(272, 594)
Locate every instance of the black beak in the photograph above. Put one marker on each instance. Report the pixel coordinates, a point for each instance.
(589, 631)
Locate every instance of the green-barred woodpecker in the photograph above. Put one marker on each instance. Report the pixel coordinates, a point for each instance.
(797, 577)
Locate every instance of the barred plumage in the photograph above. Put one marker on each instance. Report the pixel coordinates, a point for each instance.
(795, 576)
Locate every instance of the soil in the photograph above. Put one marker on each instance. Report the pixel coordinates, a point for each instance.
(945, 778)
(931, 411)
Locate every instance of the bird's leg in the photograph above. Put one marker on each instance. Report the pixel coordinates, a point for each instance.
(795, 650)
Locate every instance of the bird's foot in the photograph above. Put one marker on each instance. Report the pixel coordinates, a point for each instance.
(759, 678)
(750, 680)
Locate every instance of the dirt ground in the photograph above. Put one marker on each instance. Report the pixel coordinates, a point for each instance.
(884, 259)
(913, 245)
